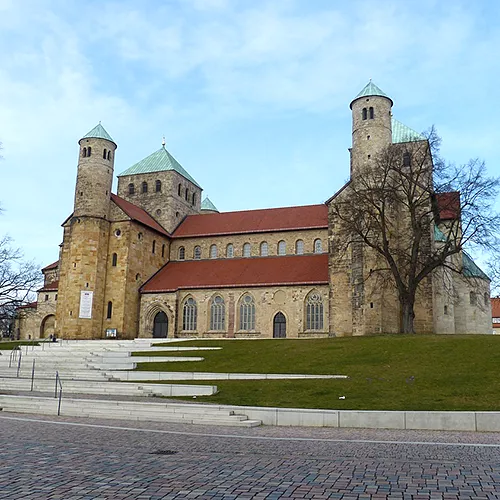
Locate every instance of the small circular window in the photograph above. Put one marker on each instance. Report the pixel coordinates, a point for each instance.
(158, 212)
(118, 232)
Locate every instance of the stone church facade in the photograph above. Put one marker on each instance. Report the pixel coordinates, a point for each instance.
(154, 260)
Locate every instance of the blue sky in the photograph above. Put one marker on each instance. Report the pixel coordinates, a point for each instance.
(251, 96)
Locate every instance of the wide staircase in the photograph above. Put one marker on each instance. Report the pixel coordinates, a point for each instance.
(38, 379)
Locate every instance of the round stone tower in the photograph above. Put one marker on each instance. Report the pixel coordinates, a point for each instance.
(95, 174)
(371, 125)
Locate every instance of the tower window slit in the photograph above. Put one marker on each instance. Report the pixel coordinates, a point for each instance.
(372, 114)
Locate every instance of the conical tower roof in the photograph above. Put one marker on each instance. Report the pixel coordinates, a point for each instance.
(98, 132)
(369, 90)
(207, 204)
(159, 161)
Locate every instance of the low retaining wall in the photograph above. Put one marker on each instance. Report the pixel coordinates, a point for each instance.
(410, 420)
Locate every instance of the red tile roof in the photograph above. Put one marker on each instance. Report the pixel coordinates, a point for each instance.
(448, 205)
(51, 266)
(28, 306)
(254, 221)
(50, 287)
(243, 272)
(138, 214)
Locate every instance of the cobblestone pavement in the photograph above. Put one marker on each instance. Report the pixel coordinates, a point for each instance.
(69, 459)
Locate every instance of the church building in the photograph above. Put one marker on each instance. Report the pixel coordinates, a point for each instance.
(157, 260)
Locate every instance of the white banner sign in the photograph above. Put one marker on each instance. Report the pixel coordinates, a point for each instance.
(86, 304)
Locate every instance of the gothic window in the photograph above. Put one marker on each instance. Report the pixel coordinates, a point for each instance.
(318, 247)
(247, 313)
(299, 247)
(230, 251)
(89, 151)
(281, 248)
(114, 260)
(197, 252)
(104, 154)
(182, 253)
(217, 314)
(189, 315)
(473, 298)
(84, 152)
(131, 189)
(110, 310)
(406, 159)
(179, 189)
(264, 249)
(364, 114)
(154, 246)
(109, 155)
(193, 200)
(372, 115)
(213, 251)
(314, 311)
(247, 250)
(158, 186)
(144, 187)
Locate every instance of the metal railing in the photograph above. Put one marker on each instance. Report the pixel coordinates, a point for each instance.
(58, 385)
(13, 355)
(32, 375)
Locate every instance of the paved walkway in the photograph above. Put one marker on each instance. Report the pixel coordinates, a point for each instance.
(69, 459)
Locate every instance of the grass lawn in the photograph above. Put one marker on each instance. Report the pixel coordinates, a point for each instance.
(386, 372)
(9, 345)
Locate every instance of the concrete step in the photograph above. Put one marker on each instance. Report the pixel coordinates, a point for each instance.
(195, 414)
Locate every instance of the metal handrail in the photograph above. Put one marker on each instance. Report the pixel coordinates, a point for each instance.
(19, 362)
(58, 382)
(32, 375)
(13, 355)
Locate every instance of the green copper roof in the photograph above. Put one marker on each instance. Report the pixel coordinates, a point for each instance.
(439, 235)
(159, 161)
(370, 89)
(98, 132)
(207, 204)
(402, 133)
(471, 269)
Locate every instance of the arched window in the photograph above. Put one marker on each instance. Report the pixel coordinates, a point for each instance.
(247, 250)
(114, 260)
(197, 252)
(318, 247)
(213, 251)
(84, 152)
(189, 315)
(314, 311)
(282, 248)
(264, 250)
(163, 250)
(372, 114)
(131, 189)
(486, 298)
(144, 187)
(364, 114)
(179, 189)
(186, 194)
(230, 251)
(154, 246)
(158, 186)
(247, 313)
(89, 151)
(104, 154)
(406, 159)
(182, 253)
(299, 247)
(109, 155)
(110, 310)
(473, 298)
(217, 314)
(193, 201)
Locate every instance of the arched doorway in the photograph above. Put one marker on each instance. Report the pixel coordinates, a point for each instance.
(160, 326)
(47, 326)
(279, 326)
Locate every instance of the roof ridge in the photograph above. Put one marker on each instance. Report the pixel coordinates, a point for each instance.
(261, 209)
(98, 132)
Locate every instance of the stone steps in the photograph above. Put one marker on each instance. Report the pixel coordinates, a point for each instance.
(127, 410)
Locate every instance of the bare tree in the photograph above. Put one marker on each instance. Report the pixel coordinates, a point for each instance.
(417, 213)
